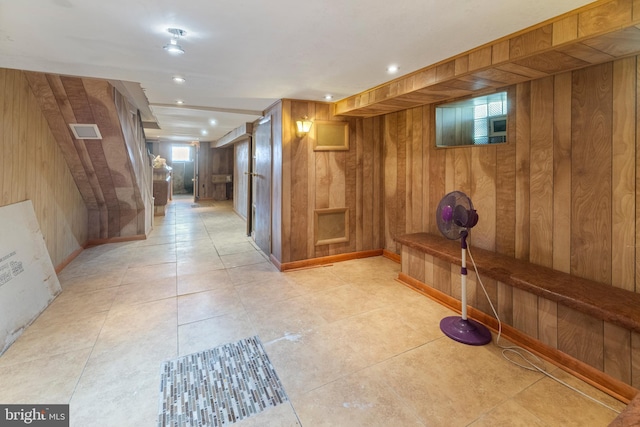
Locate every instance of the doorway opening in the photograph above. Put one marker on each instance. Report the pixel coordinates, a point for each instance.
(183, 163)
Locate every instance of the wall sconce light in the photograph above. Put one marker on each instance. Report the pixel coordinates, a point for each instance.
(303, 126)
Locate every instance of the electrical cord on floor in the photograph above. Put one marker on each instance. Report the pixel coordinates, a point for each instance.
(532, 363)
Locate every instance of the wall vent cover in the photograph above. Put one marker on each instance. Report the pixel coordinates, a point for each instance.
(85, 131)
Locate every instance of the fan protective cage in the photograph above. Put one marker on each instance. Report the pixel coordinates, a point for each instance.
(455, 214)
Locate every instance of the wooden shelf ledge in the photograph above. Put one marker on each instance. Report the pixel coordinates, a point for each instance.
(600, 300)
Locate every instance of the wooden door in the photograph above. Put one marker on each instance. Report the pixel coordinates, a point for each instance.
(261, 206)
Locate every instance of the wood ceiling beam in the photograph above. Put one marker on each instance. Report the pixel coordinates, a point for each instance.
(600, 32)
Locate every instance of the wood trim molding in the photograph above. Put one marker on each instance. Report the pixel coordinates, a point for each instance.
(97, 242)
(587, 373)
(68, 260)
(392, 256)
(314, 262)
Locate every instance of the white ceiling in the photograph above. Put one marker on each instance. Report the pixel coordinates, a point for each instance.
(243, 55)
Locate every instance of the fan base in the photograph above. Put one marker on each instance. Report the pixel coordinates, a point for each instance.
(465, 331)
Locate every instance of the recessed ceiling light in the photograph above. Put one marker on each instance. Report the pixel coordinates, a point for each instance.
(328, 97)
(179, 102)
(178, 79)
(212, 122)
(204, 132)
(391, 69)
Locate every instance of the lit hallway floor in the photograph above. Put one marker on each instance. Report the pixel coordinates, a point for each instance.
(352, 346)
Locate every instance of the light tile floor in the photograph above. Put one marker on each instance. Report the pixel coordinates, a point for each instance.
(352, 346)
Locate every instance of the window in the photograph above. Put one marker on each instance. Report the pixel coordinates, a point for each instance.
(476, 121)
(490, 120)
(181, 153)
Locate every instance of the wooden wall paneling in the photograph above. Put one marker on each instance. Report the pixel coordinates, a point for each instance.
(408, 175)
(483, 195)
(20, 135)
(580, 336)
(337, 162)
(637, 181)
(548, 322)
(593, 20)
(491, 285)
(428, 269)
(461, 170)
(504, 307)
(426, 137)
(281, 134)
(416, 267)
(379, 184)
(357, 135)
(449, 170)
(474, 292)
(525, 312)
(322, 189)
(437, 181)
(541, 173)
(43, 92)
(3, 121)
(442, 275)
(635, 359)
(522, 142)
(7, 136)
(45, 209)
(205, 169)
(401, 197)
(562, 172)
(500, 52)
(241, 179)
(116, 165)
(302, 201)
(62, 134)
(31, 138)
(591, 173)
(390, 171)
(530, 42)
(617, 352)
(506, 183)
(456, 285)
(623, 170)
(565, 30)
(352, 188)
(417, 196)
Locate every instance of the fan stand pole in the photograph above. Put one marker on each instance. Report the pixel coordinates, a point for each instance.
(463, 275)
(462, 329)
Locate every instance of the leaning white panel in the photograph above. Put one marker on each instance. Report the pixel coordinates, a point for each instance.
(28, 282)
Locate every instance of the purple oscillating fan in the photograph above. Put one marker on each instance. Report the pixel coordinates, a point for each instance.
(455, 216)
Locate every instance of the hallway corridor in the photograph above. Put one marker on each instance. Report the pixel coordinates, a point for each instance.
(351, 346)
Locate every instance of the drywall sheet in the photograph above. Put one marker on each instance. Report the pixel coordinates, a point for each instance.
(28, 282)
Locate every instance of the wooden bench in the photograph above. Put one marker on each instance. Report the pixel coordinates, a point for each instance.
(604, 302)
(601, 301)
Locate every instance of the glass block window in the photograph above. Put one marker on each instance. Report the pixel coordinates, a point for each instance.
(482, 115)
(181, 153)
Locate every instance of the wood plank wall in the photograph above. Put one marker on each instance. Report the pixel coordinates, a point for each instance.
(102, 169)
(561, 193)
(221, 162)
(313, 180)
(33, 168)
(240, 178)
